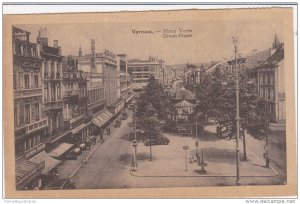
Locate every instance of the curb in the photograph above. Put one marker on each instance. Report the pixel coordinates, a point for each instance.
(203, 176)
(214, 176)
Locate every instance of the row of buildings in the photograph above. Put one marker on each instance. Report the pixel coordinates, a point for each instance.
(265, 67)
(61, 100)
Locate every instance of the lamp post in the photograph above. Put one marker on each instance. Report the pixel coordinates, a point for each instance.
(266, 154)
(235, 42)
(134, 144)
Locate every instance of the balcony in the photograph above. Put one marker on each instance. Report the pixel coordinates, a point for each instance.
(34, 126)
(25, 93)
(71, 93)
(53, 105)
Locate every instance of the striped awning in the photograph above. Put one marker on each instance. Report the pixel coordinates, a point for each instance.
(60, 150)
(78, 128)
(102, 118)
(50, 163)
(26, 171)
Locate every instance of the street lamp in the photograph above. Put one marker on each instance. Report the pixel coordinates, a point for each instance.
(134, 144)
(266, 154)
(235, 42)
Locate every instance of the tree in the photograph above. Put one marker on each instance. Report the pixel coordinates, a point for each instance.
(217, 101)
(154, 108)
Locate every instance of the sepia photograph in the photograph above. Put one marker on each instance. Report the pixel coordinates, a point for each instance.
(135, 103)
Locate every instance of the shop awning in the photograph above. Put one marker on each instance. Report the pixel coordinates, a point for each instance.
(128, 97)
(26, 171)
(78, 128)
(102, 118)
(116, 103)
(50, 163)
(60, 150)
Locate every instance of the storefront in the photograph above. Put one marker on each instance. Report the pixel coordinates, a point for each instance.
(27, 173)
(128, 97)
(78, 133)
(61, 150)
(49, 172)
(102, 119)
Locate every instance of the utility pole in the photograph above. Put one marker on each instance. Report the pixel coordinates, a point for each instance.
(235, 42)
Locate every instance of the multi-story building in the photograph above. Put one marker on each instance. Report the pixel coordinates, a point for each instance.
(30, 125)
(141, 70)
(100, 70)
(91, 66)
(75, 99)
(52, 85)
(124, 90)
(270, 78)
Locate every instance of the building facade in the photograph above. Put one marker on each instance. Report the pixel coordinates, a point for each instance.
(31, 126)
(270, 78)
(141, 70)
(52, 84)
(75, 99)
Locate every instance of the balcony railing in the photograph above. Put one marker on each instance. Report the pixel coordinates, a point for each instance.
(53, 104)
(22, 93)
(37, 125)
(58, 132)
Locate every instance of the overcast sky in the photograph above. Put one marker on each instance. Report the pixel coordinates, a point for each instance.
(208, 38)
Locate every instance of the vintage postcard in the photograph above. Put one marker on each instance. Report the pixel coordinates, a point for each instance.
(153, 104)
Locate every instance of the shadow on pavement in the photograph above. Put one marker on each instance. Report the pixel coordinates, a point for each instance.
(216, 155)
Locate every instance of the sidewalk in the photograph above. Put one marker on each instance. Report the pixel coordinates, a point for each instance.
(220, 156)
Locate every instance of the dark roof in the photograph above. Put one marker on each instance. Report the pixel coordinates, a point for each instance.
(273, 60)
(15, 29)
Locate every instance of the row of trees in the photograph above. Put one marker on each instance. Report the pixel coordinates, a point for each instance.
(217, 101)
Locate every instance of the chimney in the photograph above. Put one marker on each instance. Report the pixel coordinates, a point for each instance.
(80, 51)
(42, 37)
(55, 44)
(93, 54)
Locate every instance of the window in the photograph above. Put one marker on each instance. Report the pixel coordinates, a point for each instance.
(16, 116)
(58, 90)
(36, 81)
(271, 94)
(46, 93)
(15, 81)
(26, 81)
(21, 115)
(271, 80)
(36, 111)
(52, 92)
(46, 72)
(27, 113)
